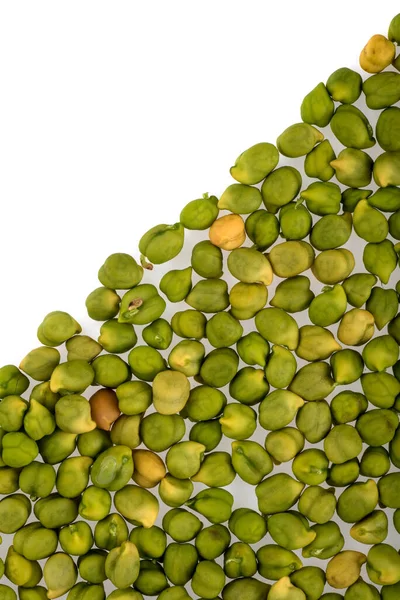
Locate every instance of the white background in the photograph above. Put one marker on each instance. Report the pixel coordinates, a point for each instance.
(116, 114)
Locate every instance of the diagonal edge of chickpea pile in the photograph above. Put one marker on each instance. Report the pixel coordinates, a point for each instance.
(84, 479)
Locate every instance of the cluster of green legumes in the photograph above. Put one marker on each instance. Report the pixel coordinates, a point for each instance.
(158, 394)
